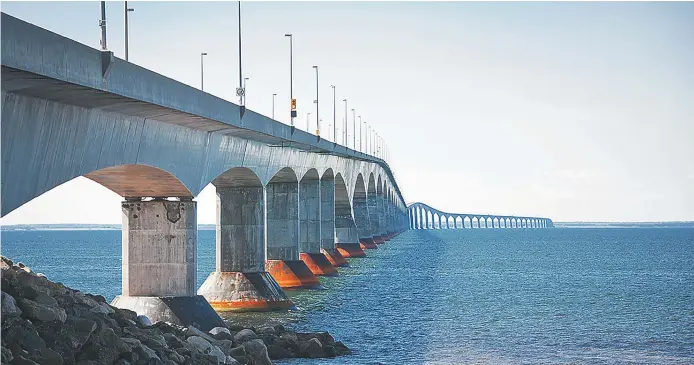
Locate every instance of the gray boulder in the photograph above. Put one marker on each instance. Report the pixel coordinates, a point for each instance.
(256, 350)
(193, 331)
(221, 357)
(312, 348)
(41, 312)
(200, 344)
(144, 320)
(244, 335)
(9, 306)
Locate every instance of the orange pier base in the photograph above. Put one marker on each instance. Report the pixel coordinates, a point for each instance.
(380, 239)
(318, 264)
(244, 292)
(367, 243)
(335, 257)
(350, 250)
(292, 274)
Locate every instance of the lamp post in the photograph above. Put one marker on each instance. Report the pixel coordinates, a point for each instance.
(292, 112)
(317, 113)
(242, 92)
(273, 106)
(344, 140)
(308, 115)
(354, 129)
(334, 116)
(102, 24)
(361, 137)
(202, 71)
(369, 145)
(126, 28)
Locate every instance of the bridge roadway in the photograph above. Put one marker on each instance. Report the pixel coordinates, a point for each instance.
(290, 205)
(422, 216)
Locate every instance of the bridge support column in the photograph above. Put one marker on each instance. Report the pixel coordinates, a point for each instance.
(383, 218)
(310, 228)
(240, 282)
(327, 222)
(363, 222)
(159, 263)
(346, 236)
(374, 217)
(283, 261)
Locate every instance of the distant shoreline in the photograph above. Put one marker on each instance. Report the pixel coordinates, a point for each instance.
(206, 227)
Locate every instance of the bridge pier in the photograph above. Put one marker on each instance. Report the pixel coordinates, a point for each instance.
(327, 221)
(240, 282)
(310, 227)
(374, 217)
(159, 263)
(283, 261)
(363, 222)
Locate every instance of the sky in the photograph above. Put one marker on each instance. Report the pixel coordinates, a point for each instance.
(572, 111)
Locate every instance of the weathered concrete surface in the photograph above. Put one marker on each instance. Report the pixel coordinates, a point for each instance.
(309, 214)
(159, 248)
(282, 221)
(159, 263)
(292, 274)
(318, 264)
(184, 311)
(327, 211)
(240, 229)
(240, 282)
(244, 292)
(335, 257)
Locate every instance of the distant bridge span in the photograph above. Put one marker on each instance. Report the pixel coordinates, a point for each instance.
(422, 216)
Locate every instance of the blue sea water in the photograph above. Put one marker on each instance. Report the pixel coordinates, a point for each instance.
(552, 296)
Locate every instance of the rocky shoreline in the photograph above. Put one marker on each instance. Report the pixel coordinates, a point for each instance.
(44, 322)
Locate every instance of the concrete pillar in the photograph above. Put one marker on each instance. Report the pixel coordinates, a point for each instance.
(240, 282)
(362, 219)
(159, 263)
(327, 219)
(382, 218)
(374, 217)
(282, 217)
(310, 227)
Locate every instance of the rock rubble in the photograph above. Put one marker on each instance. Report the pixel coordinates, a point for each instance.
(44, 322)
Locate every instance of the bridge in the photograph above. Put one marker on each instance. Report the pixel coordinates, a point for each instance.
(291, 206)
(422, 216)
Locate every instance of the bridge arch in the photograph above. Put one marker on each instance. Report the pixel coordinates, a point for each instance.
(133, 180)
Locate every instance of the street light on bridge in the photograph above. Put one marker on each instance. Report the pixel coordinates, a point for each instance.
(344, 140)
(354, 129)
(127, 10)
(316, 101)
(361, 137)
(334, 116)
(292, 109)
(202, 71)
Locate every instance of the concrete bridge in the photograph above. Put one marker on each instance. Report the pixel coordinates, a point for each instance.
(290, 205)
(422, 216)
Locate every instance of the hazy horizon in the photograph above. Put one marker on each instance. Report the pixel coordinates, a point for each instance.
(573, 111)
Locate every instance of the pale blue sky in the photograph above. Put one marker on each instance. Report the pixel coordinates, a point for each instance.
(574, 111)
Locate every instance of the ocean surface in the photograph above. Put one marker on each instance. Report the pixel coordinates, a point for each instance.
(552, 296)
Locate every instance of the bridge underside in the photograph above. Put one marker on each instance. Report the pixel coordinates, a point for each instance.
(69, 111)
